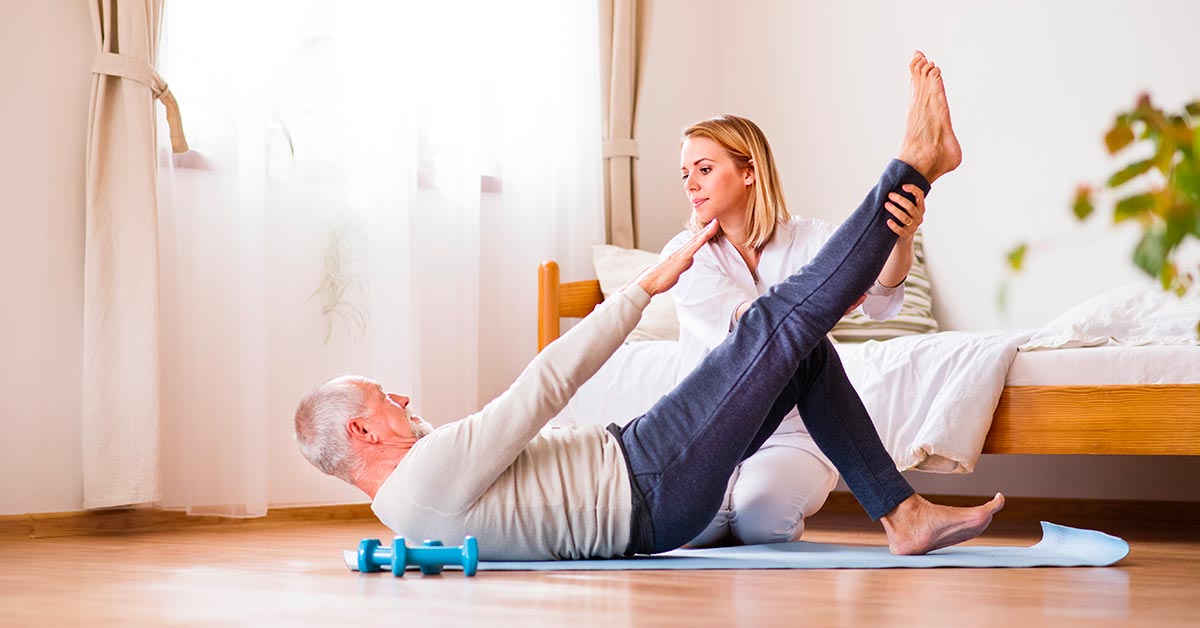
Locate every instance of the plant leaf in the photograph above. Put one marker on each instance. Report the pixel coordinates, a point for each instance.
(1016, 257)
(1156, 119)
(1164, 153)
(1186, 181)
(1166, 275)
(1119, 136)
(1181, 133)
(1133, 207)
(1150, 253)
(1179, 222)
(1128, 172)
(1083, 203)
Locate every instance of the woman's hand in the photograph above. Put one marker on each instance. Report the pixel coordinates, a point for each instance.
(907, 216)
(662, 276)
(857, 303)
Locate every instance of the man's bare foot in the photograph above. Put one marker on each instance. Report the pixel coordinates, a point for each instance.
(917, 526)
(929, 142)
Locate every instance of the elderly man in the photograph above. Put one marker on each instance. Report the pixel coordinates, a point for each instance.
(654, 484)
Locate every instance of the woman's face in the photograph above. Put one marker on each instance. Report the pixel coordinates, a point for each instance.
(716, 186)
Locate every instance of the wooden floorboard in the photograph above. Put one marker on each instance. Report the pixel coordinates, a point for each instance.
(291, 573)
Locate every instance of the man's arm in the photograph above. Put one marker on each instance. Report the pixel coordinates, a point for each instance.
(473, 452)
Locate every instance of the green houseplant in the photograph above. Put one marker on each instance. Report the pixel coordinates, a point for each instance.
(1161, 192)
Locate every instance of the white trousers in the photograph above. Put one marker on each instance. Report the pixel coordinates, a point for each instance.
(771, 493)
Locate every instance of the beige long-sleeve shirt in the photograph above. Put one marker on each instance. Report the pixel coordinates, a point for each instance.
(525, 494)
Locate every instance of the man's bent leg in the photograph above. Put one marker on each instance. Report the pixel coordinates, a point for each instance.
(687, 445)
(842, 428)
(839, 423)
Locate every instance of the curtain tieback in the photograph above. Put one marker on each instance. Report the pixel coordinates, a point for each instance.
(623, 147)
(130, 67)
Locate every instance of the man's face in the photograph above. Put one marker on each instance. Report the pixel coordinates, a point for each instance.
(390, 415)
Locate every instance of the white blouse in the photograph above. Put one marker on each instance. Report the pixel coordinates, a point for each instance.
(718, 281)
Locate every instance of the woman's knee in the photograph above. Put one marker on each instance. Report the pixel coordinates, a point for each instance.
(766, 518)
(773, 511)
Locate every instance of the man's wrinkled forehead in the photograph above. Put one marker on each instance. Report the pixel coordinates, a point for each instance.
(369, 387)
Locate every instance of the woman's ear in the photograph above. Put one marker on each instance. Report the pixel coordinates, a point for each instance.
(748, 179)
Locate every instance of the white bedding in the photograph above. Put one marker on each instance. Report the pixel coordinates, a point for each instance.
(1137, 314)
(632, 380)
(1107, 366)
(931, 396)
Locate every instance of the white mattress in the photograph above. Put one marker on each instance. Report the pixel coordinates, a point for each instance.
(1107, 366)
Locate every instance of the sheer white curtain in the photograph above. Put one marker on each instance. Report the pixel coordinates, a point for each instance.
(371, 187)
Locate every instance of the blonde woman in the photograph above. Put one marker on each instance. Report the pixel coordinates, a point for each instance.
(729, 174)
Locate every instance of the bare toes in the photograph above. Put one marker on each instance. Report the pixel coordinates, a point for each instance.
(918, 62)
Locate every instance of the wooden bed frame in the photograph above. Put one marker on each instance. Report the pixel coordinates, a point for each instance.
(1134, 419)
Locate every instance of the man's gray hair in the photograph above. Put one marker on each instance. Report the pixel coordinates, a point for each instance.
(321, 421)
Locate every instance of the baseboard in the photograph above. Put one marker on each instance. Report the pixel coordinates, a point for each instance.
(1164, 515)
(128, 520)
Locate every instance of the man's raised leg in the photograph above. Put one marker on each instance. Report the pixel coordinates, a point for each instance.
(689, 443)
(684, 449)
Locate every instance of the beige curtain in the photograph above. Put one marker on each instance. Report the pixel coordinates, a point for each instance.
(624, 25)
(121, 380)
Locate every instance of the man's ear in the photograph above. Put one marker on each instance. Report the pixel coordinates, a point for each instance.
(357, 427)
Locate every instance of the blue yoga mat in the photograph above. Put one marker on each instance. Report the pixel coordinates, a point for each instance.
(1060, 547)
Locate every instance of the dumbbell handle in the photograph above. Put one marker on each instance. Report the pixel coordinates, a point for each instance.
(426, 555)
(432, 556)
(372, 556)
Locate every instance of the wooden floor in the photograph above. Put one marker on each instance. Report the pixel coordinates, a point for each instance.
(292, 573)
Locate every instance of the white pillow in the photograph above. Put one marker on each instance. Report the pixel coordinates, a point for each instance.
(630, 383)
(1140, 313)
(915, 315)
(615, 266)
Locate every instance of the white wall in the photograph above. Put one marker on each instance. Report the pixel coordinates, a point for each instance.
(1032, 85)
(681, 83)
(45, 56)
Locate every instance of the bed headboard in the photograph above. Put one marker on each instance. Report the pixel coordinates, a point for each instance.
(557, 301)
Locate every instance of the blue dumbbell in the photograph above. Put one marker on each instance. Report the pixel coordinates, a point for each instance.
(372, 556)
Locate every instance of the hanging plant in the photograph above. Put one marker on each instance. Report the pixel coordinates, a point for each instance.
(342, 288)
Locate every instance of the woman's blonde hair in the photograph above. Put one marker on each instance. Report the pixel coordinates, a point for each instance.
(744, 141)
